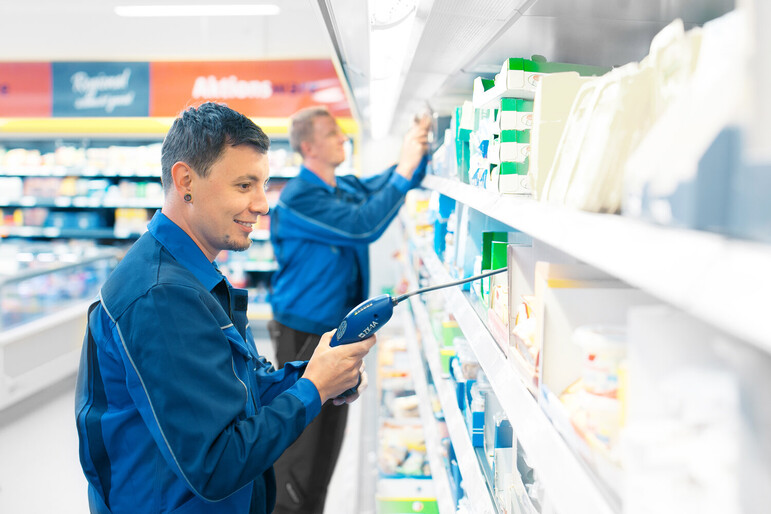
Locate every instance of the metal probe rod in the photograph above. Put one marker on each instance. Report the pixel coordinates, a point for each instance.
(448, 284)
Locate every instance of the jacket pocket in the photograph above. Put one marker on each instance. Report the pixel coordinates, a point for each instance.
(243, 362)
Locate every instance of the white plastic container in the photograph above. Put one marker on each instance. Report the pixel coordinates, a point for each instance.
(603, 347)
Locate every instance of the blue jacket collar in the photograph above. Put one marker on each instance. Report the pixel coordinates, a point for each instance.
(308, 176)
(184, 250)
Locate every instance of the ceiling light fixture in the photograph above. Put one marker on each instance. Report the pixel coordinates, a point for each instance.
(390, 25)
(154, 11)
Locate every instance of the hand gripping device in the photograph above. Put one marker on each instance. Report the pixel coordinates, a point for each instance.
(370, 315)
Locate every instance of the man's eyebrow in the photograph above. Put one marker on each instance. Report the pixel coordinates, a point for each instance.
(253, 178)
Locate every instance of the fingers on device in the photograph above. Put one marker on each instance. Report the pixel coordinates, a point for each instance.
(370, 315)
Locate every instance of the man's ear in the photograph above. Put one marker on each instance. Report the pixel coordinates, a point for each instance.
(306, 147)
(182, 177)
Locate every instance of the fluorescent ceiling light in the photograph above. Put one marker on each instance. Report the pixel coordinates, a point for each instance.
(390, 27)
(197, 10)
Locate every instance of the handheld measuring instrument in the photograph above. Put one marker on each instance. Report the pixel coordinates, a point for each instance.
(370, 315)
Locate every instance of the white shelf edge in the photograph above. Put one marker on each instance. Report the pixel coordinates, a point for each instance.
(566, 481)
(77, 172)
(47, 322)
(473, 480)
(67, 233)
(82, 202)
(721, 281)
(439, 472)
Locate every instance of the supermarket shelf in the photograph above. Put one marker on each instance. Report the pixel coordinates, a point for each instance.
(567, 482)
(82, 202)
(60, 266)
(688, 269)
(439, 472)
(259, 311)
(79, 172)
(63, 233)
(473, 480)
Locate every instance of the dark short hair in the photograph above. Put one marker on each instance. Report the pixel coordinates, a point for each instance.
(199, 135)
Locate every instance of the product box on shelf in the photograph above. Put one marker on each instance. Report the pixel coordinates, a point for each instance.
(554, 97)
(446, 331)
(464, 370)
(510, 178)
(519, 78)
(464, 125)
(515, 114)
(523, 354)
(11, 188)
(443, 208)
(511, 94)
(609, 117)
(130, 221)
(493, 414)
(474, 411)
(514, 146)
(484, 148)
(406, 496)
(578, 309)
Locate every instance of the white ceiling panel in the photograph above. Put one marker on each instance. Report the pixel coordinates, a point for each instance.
(47, 30)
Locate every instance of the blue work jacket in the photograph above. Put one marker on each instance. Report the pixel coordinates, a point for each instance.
(175, 409)
(320, 236)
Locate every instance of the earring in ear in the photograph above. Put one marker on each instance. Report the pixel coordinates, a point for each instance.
(188, 198)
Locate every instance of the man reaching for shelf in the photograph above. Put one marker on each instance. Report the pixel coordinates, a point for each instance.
(320, 230)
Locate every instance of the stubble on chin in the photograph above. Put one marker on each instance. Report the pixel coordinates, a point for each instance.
(236, 246)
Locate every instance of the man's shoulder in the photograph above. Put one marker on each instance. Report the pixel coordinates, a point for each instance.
(146, 265)
(299, 191)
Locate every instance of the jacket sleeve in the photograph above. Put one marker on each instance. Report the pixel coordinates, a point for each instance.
(320, 216)
(271, 383)
(180, 375)
(420, 172)
(376, 182)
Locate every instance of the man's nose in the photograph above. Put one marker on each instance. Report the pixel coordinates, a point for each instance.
(259, 203)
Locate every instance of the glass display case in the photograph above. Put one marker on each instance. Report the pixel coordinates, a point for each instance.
(45, 289)
(48, 281)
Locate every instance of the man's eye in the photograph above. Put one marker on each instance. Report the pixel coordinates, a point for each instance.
(266, 185)
(244, 186)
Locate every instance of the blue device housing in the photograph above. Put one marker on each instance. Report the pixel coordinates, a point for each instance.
(364, 320)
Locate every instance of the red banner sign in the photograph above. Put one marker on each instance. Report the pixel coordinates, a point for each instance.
(267, 89)
(25, 89)
(272, 89)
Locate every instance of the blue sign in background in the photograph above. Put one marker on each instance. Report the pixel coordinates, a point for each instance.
(110, 89)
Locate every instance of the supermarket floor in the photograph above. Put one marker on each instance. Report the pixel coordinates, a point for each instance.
(39, 468)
